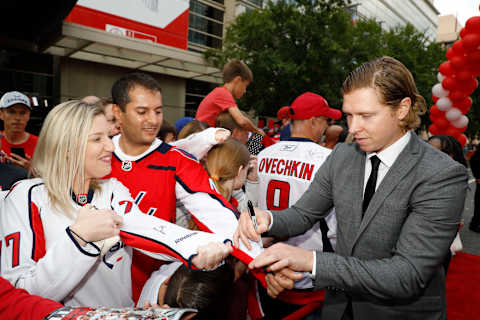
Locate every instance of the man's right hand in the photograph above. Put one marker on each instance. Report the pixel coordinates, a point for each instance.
(246, 230)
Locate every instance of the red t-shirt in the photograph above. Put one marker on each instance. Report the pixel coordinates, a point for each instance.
(220, 99)
(28, 146)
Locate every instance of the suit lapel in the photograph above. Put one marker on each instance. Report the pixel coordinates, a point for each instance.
(405, 162)
(358, 174)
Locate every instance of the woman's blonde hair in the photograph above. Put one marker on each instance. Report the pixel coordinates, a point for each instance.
(393, 82)
(60, 152)
(223, 161)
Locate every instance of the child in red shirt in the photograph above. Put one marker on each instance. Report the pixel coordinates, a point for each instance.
(236, 76)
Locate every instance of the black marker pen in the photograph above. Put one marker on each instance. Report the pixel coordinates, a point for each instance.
(252, 214)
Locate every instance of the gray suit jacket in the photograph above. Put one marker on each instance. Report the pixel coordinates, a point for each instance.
(390, 262)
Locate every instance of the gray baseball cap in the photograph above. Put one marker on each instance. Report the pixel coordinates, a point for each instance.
(14, 97)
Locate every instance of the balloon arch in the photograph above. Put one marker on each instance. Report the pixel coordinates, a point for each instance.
(457, 81)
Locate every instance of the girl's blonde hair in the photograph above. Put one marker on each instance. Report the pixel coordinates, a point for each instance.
(223, 161)
(60, 152)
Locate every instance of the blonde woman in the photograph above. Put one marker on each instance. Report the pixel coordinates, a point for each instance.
(56, 227)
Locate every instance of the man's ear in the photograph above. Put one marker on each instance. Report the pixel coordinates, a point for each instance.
(117, 112)
(239, 170)
(237, 79)
(404, 108)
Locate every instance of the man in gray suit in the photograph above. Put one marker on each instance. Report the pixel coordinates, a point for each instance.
(398, 203)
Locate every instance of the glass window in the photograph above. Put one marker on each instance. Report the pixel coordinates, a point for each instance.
(205, 25)
(202, 24)
(204, 39)
(206, 10)
(195, 92)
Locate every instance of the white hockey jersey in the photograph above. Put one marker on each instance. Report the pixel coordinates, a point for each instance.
(40, 254)
(285, 171)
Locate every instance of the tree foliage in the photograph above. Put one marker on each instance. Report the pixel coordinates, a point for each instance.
(311, 45)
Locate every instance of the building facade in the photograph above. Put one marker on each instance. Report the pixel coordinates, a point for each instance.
(422, 14)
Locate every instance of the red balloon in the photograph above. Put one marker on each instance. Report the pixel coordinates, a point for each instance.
(456, 95)
(468, 86)
(461, 130)
(434, 129)
(449, 83)
(473, 58)
(463, 75)
(462, 139)
(472, 25)
(463, 105)
(435, 111)
(458, 62)
(442, 123)
(451, 131)
(474, 69)
(463, 33)
(471, 42)
(434, 98)
(446, 68)
(458, 48)
(450, 54)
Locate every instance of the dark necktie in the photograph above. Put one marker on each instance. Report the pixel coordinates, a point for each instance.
(327, 245)
(372, 182)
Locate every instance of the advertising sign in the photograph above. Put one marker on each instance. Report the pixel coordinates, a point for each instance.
(159, 21)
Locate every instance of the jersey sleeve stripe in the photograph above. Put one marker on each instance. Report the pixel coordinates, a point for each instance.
(185, 154)
(171, 168)
(152, 245)
(79, 247)
(224, 203)
(38, 245)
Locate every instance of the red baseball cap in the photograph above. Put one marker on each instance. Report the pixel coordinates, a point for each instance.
(283, 113)
(309, 105)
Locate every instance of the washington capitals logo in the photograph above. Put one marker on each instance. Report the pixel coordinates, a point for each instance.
(126, 165)
(82, 198)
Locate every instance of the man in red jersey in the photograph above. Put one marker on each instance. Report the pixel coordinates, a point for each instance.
(156, 173)
(17, 144)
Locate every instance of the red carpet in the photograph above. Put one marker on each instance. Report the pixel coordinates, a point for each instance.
(463, 287)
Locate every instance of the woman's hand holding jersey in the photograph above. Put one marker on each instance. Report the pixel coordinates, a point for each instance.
(94, 225)
(209, 256)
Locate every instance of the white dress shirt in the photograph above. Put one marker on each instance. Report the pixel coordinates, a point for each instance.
(387, 158)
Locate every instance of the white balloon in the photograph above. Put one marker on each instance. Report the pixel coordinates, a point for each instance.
(444, 104)
(461, 122)
(453, 114)
(440, 77)
(439, 91)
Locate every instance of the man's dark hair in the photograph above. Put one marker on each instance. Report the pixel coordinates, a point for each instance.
(165, 129)
(206, 291)
(122, 87)
(450, 146)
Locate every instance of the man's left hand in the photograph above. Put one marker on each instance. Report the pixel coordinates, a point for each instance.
(280, 281)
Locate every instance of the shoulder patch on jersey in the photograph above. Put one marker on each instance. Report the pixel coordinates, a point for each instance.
(163, 147)
(185, 154)
(288, 147)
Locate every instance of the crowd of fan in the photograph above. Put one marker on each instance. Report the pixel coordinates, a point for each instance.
(81, 203)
